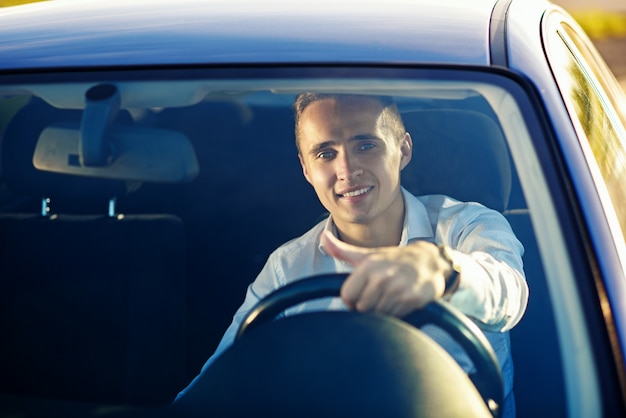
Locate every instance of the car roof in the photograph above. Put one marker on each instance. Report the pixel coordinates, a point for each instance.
(118, 33)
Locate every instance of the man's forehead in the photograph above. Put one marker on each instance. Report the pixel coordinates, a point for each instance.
(346, 117)
(349, 110)
(350, 102)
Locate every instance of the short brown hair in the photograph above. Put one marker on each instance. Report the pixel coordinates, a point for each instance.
(390, 113)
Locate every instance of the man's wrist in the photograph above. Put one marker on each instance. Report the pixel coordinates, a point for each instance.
(453, 277)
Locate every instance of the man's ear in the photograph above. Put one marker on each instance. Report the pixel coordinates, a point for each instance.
(304, 170)
(406, 148)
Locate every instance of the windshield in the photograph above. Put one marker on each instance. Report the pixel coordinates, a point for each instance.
(200, 170)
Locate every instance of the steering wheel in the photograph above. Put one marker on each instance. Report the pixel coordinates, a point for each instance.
(487, 378)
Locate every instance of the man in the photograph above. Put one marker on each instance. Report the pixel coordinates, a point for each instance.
(402, 251)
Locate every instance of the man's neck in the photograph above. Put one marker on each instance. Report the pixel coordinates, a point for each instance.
(374, 234)
(369, 238)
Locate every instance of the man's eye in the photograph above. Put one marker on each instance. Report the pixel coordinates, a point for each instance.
(366, 146)
(325, 155)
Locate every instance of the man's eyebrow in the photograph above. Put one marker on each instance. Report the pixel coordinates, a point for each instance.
(361, 137)
(320, 146)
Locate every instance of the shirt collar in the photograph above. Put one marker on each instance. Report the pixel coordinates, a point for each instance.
(328, 226)
(416, 222)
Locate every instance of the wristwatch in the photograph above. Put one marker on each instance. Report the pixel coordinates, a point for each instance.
(452, 279)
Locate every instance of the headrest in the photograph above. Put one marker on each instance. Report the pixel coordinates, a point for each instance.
(18, 171)
(459, 153)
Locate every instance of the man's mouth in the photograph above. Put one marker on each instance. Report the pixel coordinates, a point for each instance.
(355, 193)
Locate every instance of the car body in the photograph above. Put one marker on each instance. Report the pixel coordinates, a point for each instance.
(124, 259)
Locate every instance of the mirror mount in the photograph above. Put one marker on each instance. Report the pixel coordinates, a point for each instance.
(102, 104)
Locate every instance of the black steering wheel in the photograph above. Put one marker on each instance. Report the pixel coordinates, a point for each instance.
(487, 378)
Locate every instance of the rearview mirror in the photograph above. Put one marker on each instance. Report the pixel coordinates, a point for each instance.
(136, 153)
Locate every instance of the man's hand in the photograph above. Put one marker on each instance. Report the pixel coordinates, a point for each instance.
(390, 280)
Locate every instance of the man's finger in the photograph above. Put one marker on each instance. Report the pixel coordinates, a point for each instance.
(351, 254)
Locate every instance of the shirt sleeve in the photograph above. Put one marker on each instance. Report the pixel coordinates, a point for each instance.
(492, 289)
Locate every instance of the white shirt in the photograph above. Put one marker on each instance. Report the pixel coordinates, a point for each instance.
(492, 291)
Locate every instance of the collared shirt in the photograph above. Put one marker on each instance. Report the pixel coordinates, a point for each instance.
(492, 290)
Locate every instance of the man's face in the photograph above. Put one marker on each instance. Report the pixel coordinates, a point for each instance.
(352, 161)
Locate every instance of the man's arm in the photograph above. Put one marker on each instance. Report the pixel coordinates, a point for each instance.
(397, 280)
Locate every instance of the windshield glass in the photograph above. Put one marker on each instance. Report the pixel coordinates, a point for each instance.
(211, 156)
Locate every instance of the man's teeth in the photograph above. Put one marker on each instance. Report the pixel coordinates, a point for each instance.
(356, 192)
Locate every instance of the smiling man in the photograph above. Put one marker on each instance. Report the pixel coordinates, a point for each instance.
(352, 152)
(402, 251)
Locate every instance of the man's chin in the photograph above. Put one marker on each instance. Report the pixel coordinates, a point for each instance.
(357, 219)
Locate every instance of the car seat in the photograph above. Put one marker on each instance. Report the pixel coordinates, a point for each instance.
(91, 301)
(462, 153)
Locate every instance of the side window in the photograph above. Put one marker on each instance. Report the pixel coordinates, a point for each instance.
(590, 92)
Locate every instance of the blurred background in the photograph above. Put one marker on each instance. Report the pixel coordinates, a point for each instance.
(605, 22)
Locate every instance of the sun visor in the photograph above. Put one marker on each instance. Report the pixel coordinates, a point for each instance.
(132, 153)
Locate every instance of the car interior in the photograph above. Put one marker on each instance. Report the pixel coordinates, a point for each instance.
(116, 288)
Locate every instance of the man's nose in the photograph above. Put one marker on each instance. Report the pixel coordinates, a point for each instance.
(348, 167)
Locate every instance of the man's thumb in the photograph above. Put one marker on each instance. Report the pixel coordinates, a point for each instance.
(336, 248)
